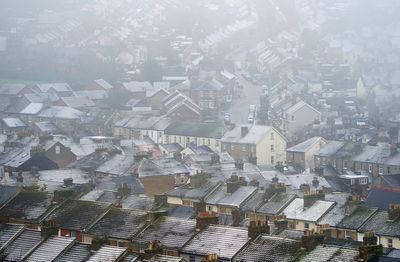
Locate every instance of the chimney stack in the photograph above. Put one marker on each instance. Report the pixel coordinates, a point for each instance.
(256, 229)
(234, 183)
(311, 198)
(206, 218)
(394, 212)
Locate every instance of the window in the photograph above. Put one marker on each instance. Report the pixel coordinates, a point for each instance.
(369, 168)
(380, 170)
(272, 136)
(344, 164)
(180, 140)
(292, 118)
(167, 139)
(209, 142)
(272, 148)
(390, 242)
(223, 147)
(187, 139)
(306, 225)
(347, 234)
(58, 150)
(363, 181)
(192, 259)
(272, 160)
(174, 139)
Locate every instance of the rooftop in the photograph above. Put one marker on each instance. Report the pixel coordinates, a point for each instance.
(331, 253)
(330, 148)
(28, 205)
(306, 145)
(61, 112)
(381, 197)
(77, 253)
(255, 134)
(172, 232)
(380, 224)
(108, 253)
(70, 215)
(119, 223)
(237, 198)
(207, 130)
(8, 232)
(276, 203)
(20, 246)
(270, 249)
(222, 240)
(13, 122)
(357, 218)
(296, 211)
(50, 249)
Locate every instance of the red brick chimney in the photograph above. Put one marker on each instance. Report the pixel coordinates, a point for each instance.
(206, 218)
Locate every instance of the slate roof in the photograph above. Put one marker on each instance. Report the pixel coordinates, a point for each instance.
(379, 224)
(207, 130)
(304, 146)
(13, 122)
(356, 219)
(269, 249)
(78, 101)
(185, 192)
(254, 202)
(163, 258)
(172, 232)
(223, 240)
(119, 223)
(19, 247)
(6, 193)
(77, 253)
(118, 164)
(28, 205)
(154, 167)
(184, 212)
(58, 87)
(8, 232)
(77, 214)
(172, 148)
(276, 203)
(255, 134)
(47, 127)
(138, 202)
(61, 112)
(103, 83)
(50, 249)
(237, 198)
(297, 180)
(296, 211)
(92, 94)
(374, 154)
(331, 253)
(108, 253)
(330, 148)
(298, 106)
(381, 197)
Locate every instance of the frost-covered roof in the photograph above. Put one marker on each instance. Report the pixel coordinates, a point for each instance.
(107, 253)
(269, 249)
(13, 122)
(330, 148)
(304, 146)
(296, 210)
(331, 253)
(255, 134)
(222, 240)
(50, 249)
(61, 112)
(276, 203)
(237, 198)
(357, 218)
(379, 224)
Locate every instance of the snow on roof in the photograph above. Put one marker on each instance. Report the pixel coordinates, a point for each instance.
(61, 112)
(222, 240)
(58, 87)
(300, 105)
(330, 148)
(255, 134)
(107, 253)
(104, 84)
(304, 146)
(32, 109)
(296, 210)
(13, 122)
(238, 197)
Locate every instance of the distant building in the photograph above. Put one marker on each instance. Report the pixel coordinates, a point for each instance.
(303, 154)
(262, 145)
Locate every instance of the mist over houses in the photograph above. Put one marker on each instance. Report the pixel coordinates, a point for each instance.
(188, 131)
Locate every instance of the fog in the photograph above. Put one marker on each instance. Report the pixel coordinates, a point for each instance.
(122, 122)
